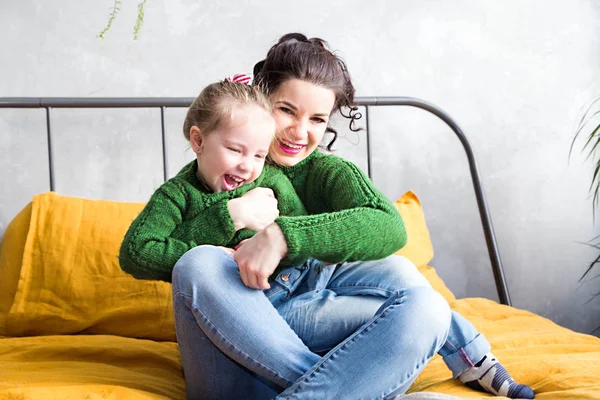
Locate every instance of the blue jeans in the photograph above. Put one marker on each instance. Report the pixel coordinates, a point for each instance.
(353, 330)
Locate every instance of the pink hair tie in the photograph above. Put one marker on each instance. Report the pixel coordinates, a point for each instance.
(240, 78)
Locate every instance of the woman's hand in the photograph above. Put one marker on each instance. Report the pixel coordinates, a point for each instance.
(227, 250)
(260, 255)
(255, 210)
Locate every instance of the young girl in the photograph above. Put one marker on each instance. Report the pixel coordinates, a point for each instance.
(230, 128)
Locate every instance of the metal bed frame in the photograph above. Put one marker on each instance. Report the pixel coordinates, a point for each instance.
(48, 103)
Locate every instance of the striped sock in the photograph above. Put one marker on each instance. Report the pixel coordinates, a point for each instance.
(490, 376)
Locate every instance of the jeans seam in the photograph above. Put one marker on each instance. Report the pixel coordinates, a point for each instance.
(274, 293)
(224, 337)
(422, 362)
(359, 332)
(389, 292)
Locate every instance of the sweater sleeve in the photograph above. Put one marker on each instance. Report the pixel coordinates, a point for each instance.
(158, 237)
(356, 222)
(288, 202)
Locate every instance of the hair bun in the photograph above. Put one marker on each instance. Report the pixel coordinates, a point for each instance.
(292, 37)
(258, 67)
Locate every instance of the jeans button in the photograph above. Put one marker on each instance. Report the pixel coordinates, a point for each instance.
(285, 277)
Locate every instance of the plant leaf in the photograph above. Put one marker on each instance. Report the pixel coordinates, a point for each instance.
(584, 121)
(592, 136)
(592, 298)
(140, 19)
(591, 266)
(113, 13)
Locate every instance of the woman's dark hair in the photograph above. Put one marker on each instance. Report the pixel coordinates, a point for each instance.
(297, 57)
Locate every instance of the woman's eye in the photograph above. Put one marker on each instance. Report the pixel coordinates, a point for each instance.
(234, 149)
(286, 110)
(319, 120)
(259, 156)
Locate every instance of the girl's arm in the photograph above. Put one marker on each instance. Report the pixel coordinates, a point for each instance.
(159, 236)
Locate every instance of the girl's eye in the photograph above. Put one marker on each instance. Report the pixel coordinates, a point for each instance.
(259, 156)
(234, 149)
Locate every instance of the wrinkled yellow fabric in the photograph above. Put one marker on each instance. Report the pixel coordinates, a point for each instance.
(418, 248)
(59, 275)
(11, 258)
(556, 362)
(62, 276)
(89, 367)
(70, 280)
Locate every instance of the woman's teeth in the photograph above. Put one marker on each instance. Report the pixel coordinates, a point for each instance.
(292, 146)
(289, 147)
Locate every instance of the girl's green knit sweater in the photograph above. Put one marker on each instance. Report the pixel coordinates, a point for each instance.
(349, 220)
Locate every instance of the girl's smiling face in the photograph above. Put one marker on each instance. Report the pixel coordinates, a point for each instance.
(301, 110)
(234, 154)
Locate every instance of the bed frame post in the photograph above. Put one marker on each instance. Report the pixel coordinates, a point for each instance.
(486, 219)
(50, 149)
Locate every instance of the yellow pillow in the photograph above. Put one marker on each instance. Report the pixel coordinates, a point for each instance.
(11, 258)
(60, 272)
(419, 248)
(70, 280)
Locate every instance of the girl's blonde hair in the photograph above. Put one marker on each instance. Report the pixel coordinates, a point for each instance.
(217, 102)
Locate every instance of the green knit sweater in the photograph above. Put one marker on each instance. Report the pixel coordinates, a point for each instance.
(183, 214)
(348, 219)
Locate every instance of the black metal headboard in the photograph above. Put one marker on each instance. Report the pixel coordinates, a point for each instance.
(49, 103)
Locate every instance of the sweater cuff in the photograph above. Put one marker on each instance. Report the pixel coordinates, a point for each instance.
(293, 256)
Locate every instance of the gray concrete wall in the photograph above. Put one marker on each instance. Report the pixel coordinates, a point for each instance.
(514, 74)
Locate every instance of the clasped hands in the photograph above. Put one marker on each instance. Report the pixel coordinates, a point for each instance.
(260, 255)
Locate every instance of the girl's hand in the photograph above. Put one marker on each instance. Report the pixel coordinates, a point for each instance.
(255, 210)
(260, 255)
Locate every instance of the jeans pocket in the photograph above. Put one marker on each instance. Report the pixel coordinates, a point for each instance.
(284, 285)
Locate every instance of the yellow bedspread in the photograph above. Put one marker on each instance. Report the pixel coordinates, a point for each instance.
(89, 367)
(76, 327)
(556, 362)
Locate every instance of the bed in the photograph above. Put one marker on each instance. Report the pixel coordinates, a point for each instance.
(74, 326)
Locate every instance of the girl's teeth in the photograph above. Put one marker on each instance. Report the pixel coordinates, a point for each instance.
(238, 180)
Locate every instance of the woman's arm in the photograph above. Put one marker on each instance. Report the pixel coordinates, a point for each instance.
(260, 258)
(354, 221)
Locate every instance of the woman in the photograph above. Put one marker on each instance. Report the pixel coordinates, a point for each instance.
(336, 326)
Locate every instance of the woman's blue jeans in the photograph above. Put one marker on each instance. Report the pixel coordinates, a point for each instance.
(361, 330)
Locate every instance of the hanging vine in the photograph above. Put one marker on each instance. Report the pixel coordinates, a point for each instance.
(140, 19)
(115, 9)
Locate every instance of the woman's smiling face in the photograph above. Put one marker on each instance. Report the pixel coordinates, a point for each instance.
(301, 110)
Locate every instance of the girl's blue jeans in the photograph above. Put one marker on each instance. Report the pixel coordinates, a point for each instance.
(359, 330)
